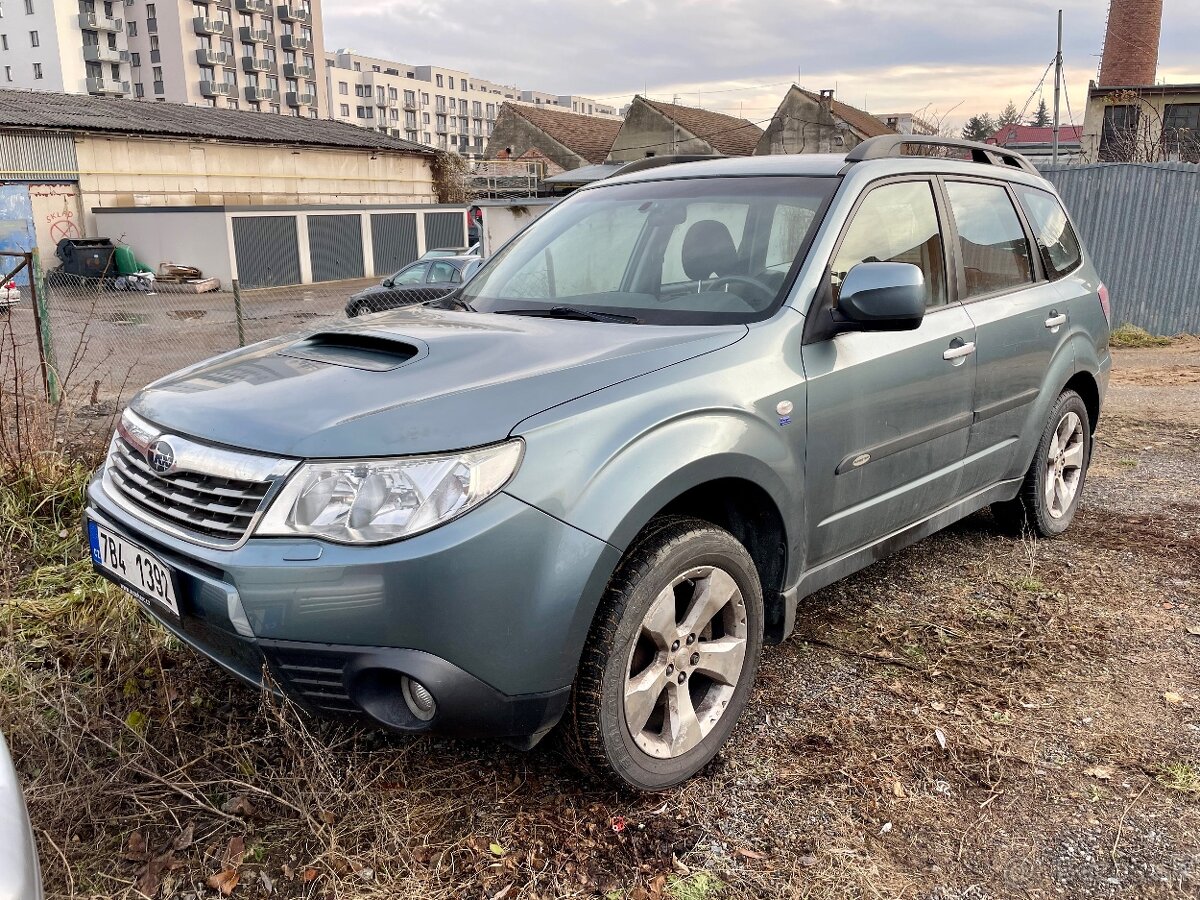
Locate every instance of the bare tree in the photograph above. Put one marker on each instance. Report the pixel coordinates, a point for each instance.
(1134, 130)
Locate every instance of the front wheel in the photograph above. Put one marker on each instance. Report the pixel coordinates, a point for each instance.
(670, 658)
(1054, 483)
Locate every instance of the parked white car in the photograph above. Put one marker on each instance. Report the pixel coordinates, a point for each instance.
(10, 294)
(20, 876)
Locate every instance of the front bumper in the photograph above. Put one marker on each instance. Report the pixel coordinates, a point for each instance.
(488, 612)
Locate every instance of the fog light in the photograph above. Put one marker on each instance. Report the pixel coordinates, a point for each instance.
(418, 699)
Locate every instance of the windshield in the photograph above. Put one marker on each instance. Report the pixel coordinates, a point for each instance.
(689, 251)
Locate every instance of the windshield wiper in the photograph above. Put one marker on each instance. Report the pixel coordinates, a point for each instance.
(451, 301)
(570, 312)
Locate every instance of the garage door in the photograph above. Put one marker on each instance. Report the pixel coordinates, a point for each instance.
(394, 237)
(335, 243)
(445, 229)
(267, 251)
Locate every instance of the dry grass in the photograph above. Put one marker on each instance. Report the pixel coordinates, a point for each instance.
(976, 717)
(1131, 337)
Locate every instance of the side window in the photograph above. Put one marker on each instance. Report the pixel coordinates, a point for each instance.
(1055, 237)
(995, 252)
(440, 272)
(896, 223)
(411, 275)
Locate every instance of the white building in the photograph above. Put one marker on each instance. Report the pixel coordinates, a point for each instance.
(237, 54)
(445, 108)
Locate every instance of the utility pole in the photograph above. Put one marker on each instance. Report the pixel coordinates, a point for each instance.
(1058, 77)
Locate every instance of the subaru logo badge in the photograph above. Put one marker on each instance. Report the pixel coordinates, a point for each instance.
(161, 457)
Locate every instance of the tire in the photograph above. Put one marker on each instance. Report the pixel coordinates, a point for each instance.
(674, 563)
(1032, 509)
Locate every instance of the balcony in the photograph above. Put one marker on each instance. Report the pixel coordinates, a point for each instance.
(300, 98)
(410, 105)
(289, 13)
(262, 7)
(255, 64)
(205, 25)
(94, 53)
(297, 42)
(262, 95)
(254, 35)
(107, 86)
(212, 57)
(99, 22)
(302, 73)
(216, 88)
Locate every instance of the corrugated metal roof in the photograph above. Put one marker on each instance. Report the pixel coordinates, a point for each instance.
(45, 110)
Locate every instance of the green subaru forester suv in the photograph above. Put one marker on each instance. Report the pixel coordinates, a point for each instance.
(586, 488)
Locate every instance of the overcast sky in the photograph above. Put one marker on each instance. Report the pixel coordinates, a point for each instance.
(955, 57)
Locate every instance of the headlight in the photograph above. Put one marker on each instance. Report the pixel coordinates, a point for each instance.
(371, 501)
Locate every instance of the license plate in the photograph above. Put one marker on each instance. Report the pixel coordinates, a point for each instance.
(132, 567)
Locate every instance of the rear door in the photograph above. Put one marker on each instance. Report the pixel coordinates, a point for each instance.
(1020, 318)
(888, 413)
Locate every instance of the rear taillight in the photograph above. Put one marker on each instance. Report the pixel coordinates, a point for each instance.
(1104, 304)
(12, 286)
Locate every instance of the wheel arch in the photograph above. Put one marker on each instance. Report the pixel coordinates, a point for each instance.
(1085, 385)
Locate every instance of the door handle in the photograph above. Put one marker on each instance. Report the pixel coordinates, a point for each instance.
(1056, 320)
(959, 352)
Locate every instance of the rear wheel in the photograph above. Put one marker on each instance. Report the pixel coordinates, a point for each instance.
(1054, 483)
(670, 658)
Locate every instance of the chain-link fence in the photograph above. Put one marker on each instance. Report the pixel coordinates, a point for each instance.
(97, 339)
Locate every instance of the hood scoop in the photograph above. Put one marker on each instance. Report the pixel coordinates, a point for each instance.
(358, 350)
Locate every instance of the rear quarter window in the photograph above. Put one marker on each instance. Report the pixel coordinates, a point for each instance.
(1056, 238)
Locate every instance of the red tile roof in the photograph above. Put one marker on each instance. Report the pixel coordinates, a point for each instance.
(725, 134)
(589, 136)
(862, 122)
(1032, 134)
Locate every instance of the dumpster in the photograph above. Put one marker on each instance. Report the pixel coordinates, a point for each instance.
(86, 257)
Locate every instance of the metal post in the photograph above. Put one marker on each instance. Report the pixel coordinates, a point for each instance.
(237, 310)
(41, 321)
(1058, 77)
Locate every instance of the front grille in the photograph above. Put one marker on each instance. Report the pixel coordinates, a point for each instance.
(313, 676)
(214, 507)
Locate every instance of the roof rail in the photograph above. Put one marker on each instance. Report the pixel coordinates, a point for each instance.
(653, 162)
(889, 146)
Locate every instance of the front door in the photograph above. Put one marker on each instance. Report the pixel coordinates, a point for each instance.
(888, 413)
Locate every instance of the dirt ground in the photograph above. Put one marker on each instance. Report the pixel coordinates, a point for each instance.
(978, 717)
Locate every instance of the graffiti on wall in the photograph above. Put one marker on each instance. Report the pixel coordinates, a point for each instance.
(56, 215)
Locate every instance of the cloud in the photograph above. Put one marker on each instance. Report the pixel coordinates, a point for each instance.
(886, 54)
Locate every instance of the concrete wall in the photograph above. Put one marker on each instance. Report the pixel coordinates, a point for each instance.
(192, 238)
(522, 136)
(647, 132)
(803, 125)
(502, 222)
(122, 171)
(56, 215)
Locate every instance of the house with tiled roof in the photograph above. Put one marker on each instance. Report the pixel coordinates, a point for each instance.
(567, 140)
(1037, 143)
(808, 122)
(654, 128)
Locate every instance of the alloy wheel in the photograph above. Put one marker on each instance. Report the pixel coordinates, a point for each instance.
(1064, 465)
(686, 662)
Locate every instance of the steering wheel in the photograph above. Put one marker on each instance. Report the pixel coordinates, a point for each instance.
(767, 292)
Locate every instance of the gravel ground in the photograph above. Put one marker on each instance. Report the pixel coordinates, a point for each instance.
(978, 717)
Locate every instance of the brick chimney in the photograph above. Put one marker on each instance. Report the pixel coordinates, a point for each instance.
(1131, 44)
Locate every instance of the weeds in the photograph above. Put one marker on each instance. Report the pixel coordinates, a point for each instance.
(1131, 337)
(1181, 776)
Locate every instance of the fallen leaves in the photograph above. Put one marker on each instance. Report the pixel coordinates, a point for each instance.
(224, 881)
(238, 806)
(1173, 698)
(1100, 773)
(155, 865)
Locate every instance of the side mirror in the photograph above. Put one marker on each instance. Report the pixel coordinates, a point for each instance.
(881, 296)
(387, 282)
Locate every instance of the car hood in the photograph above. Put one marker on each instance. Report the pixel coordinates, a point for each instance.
(416, 380)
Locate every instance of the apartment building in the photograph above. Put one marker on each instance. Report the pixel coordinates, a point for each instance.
(584, 106)
(432, 105)
(235, 54)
